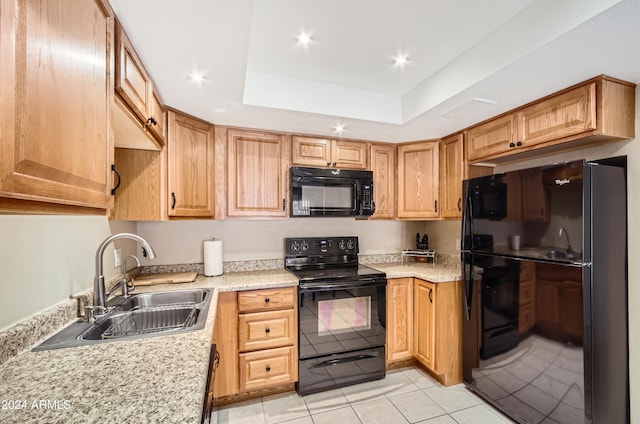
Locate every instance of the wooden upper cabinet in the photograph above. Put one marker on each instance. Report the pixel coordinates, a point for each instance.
(567, 114)
(418, 180)
(452, 166)
(190, 159)
(321, 152)
(383, 165)
(257, 173)
(135, 88)
(56, 144)
(491, 138)
(598, 110)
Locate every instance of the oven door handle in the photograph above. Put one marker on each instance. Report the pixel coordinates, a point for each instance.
(343, 285)
(354, 358)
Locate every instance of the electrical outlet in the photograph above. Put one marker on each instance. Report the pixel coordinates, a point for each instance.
(117, 257)
(457, 244)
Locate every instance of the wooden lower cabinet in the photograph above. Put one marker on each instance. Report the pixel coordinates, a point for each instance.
(559, 315)
(399, 321)
(438, 329)
(526, 311)
(256, 333)
(268, 367)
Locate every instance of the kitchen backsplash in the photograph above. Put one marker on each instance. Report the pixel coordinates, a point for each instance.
(267, 264)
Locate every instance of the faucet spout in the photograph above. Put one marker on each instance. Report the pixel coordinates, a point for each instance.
(99, 295)
(563, 231)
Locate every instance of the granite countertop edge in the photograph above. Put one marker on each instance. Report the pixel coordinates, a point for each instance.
(159, 379)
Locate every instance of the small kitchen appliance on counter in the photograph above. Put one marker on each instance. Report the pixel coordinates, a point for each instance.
(341, 313)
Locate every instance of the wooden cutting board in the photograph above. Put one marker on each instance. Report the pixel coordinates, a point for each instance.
(165, 278)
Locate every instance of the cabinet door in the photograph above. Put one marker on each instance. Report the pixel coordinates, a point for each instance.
(399, 319)
(491, 138)
(349, 154)
(571, 311)
(56, 94)
(548, 304)
(425, 325)
(418, 180)
(190, 167)
(156, 122)
(535, 205)
(142, 191)
(310, 151)
(452, 167)
(564, 115)
(225, 336)
(258, 174)
(132, 82)
(383, 165)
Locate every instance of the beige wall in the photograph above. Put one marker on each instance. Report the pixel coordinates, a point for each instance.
(45, 259)
(179, 242)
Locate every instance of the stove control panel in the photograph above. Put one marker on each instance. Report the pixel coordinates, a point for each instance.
(313, 246)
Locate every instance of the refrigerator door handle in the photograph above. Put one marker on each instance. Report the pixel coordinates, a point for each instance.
(468, 286)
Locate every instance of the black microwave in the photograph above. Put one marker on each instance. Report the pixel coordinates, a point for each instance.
(486, 197)
(331, 192)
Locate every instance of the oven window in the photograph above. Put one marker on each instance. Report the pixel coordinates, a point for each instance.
(337, 316)
(333, 197)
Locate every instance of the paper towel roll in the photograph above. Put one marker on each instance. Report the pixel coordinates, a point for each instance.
(212, 257)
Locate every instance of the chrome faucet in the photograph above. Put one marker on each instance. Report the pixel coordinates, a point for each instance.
(99, 294)
(560, 233)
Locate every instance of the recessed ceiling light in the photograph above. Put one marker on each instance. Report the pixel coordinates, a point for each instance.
(197, 77)
(400, 60)
(339, 128)
(304, 39)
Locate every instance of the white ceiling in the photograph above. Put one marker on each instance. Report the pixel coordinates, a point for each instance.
(461, 53)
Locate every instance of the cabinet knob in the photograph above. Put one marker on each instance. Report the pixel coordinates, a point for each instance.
(268, 368)
(152, 121)
(328, 163)
(512, 145)
(334, 163)
(267, 330)
(267, 300)
(519, 143)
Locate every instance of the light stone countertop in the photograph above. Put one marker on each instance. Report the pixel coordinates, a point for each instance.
(424, 271)
(154, 379)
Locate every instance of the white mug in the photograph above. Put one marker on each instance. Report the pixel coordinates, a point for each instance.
(515, 242)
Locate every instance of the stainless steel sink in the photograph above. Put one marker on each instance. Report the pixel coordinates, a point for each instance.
(559, 255)
(140, 315)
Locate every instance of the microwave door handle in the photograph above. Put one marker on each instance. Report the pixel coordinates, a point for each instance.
(470, 218)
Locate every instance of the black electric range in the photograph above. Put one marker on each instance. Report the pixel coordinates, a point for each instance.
(341, 313)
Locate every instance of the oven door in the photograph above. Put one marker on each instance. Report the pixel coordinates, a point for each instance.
(338, 318)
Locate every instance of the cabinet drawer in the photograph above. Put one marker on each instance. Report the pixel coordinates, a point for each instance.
(266, 300)
(527, 270)
(526, 292)
(264, 330)
(269, 367)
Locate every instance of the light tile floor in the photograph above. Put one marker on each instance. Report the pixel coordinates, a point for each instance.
(405, 396)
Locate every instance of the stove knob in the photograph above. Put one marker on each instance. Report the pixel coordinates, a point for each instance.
(350, 245)
(304, 246)
(342, 244)
(295, 246)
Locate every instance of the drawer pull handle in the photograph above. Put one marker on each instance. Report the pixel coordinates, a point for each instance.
(268, 368)
(267, 300)
(267, 330)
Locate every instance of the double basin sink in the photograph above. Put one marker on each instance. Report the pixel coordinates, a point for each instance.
(136, 316)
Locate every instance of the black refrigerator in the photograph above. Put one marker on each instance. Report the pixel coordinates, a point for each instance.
(544, 263)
